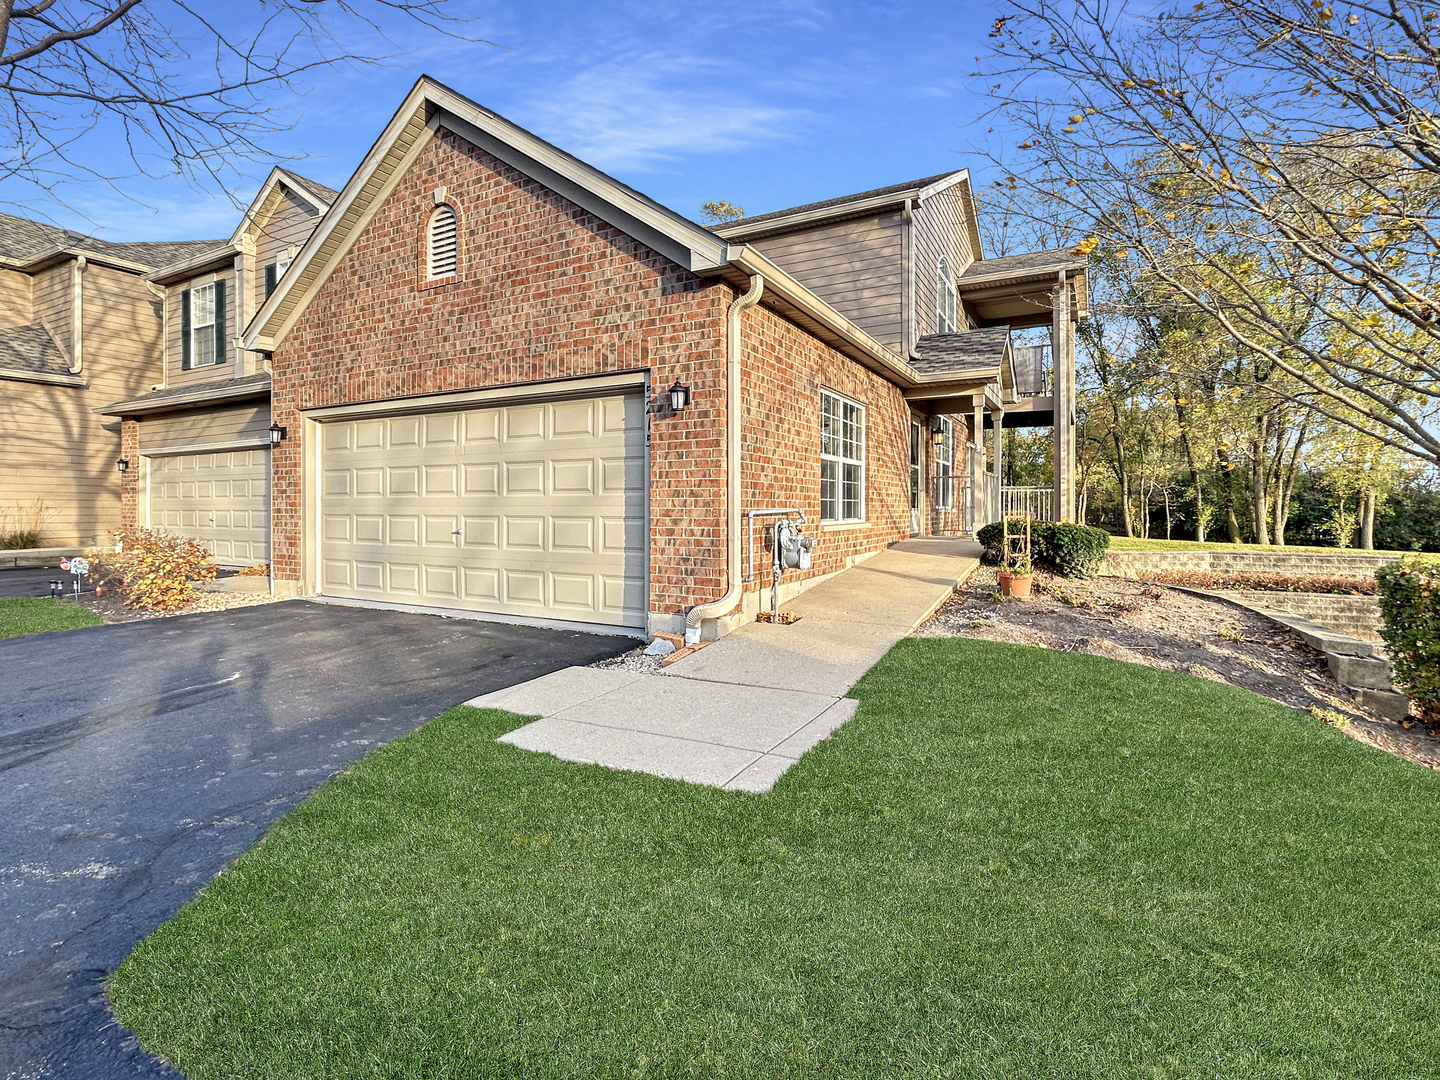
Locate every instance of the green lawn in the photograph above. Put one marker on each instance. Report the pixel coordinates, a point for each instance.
(1135, 543)
(21, 615)
(1013, 863)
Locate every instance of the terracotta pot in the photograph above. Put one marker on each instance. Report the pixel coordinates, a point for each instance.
(1015, 585)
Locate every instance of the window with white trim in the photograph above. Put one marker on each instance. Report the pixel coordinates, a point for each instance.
(202, 325)
(945, 466)
(842, 459)
(947, 319)
(441, 239)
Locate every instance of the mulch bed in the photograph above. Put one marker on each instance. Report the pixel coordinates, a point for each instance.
(1149, 624)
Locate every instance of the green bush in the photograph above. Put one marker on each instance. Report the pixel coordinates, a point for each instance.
(1410, 604)
(1062, 548)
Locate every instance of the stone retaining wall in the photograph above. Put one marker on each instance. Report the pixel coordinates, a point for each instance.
(1349, 563)
(1357, 616)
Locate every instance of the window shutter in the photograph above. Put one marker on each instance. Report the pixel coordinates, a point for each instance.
(185, 330)
(269, 279)
(220, 321)
(442, 246)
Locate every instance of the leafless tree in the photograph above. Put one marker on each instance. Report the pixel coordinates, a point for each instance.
(190, 89)
(1255, 157)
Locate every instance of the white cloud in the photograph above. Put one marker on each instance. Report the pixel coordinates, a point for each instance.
(639, 112)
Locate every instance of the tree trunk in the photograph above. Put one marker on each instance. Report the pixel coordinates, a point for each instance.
(1232, 523)
(1260, 509)
(1194, 474)
(1367, 521)
(1167, 513)
(1286, 491)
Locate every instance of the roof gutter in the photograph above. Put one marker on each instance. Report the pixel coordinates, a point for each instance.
(201, 395)
(733, 424)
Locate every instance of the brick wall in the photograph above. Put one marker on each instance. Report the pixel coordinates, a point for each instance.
(130, 478)
(545, 290)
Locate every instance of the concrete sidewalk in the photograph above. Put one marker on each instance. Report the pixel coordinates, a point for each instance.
(737, 714)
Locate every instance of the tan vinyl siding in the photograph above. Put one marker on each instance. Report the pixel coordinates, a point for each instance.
(940, 230)
(57, 449)
(51, 303)
(14, 298)
(249, 421)
(175, 375)
(288, 225)
(855, 266)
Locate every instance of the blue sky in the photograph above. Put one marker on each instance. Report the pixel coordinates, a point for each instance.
(765, 104)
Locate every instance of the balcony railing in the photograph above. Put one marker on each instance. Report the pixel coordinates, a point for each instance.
(1033, 502)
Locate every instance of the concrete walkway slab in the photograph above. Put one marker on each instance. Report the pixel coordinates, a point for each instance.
(737, 714)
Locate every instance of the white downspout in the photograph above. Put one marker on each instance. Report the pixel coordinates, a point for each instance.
(726, 603)
(77, 314)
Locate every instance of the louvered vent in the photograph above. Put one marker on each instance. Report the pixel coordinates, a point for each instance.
(442, 242)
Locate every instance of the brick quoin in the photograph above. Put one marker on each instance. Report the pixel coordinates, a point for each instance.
(130, 478)
(545, 291)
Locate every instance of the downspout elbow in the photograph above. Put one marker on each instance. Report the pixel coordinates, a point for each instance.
(733, 352)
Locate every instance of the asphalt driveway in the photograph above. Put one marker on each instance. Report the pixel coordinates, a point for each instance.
(138, 760)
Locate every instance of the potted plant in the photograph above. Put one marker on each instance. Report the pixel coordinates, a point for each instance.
(1014, 576)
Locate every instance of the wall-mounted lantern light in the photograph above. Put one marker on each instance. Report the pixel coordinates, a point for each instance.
(277, 434)
(123, 465)
(937, 434)
(679, 396)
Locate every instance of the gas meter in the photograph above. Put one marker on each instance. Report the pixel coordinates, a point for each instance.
(792, 547)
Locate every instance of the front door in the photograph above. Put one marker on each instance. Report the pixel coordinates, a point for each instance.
(917, 443)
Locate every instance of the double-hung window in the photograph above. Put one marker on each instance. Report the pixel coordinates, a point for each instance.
(945, 466)
(202, 325)
(842, 459)
(947, 319)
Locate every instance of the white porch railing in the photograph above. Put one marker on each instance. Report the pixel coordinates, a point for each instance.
(1034, 502)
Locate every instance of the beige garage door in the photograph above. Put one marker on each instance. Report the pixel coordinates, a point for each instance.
(534, 510)
(222, 500)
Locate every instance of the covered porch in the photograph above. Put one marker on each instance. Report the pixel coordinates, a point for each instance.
(983, 377)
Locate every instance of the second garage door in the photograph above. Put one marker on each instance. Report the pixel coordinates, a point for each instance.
(534, 510)
(221, 500)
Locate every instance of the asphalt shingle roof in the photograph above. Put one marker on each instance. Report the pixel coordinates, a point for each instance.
(219, 388)
(31, 348)
(22, 240)
(962, 352)
(1029, 263)
(827, 203)
(325, 194)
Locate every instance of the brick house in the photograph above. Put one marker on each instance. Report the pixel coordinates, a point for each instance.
(472, 358)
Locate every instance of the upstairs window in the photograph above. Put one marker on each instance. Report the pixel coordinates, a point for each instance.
(947, 320)
(842, 459)
(202, 326)
(440, 243)
(273, 273)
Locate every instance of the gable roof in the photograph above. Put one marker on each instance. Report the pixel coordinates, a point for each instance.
(29, 245)
(429, 106)
(860, 204)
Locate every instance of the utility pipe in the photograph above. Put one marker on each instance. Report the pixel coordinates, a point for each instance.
(700, 612)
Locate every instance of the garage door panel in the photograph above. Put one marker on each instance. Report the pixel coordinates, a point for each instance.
(220, 500)
(511, 510)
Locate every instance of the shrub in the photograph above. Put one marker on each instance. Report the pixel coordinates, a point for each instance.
(1410, 605)
(1065, 549)
(153, 570)
(1334, 584)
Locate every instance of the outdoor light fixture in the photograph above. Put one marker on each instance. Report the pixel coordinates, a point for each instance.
(679, 396)
(123, 465)
(277, 434)
(937, 434)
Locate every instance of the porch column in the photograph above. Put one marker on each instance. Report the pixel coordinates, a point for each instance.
(997, 423)
(1062, 351)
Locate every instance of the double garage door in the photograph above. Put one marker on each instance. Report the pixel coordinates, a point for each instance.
(534, 510)
(220, 499)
